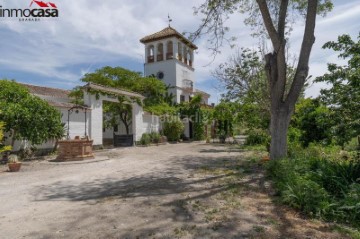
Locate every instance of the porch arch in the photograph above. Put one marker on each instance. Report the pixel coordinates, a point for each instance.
(95, 103)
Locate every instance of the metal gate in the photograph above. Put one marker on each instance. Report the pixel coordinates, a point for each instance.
(123, 140)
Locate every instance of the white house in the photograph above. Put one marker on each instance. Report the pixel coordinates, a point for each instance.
(169, 57)
(88, 120)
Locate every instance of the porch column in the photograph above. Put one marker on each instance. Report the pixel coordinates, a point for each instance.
(96, 118)
(137, 121)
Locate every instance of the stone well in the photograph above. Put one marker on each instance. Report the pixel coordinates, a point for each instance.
(75, 149)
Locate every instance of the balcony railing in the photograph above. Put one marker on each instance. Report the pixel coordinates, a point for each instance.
(150, 59)
(169, 55)
(160, 57)
(187, 84)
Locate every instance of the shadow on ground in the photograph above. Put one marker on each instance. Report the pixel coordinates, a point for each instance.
(180, 202)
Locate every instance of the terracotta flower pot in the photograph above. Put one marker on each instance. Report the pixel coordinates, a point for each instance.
(14, 167)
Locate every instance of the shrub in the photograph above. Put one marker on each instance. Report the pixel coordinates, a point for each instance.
(3, 148)
(352, 145)
(256, 137)
(145, 139)
(320, 184)
(27, 153)
(154, 137)
(173, 128)
(306, 195)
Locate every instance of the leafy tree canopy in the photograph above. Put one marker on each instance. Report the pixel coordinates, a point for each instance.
(344, 95)
(313, 119)
(3, 148)
(26, 116)
(118, 77)
(198, 114)
(157, 101)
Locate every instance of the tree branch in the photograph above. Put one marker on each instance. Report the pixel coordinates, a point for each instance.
(282, 18)
(268, 23)
(306, 46)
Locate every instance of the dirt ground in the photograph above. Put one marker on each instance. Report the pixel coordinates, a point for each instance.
(186, 190)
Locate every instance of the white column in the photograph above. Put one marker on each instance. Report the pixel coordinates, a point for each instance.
(155, 52)
(164, 50)
(175, 49)
(185, 54)
(146, 52)
(137, 121)
(180, 49)
(95, 118)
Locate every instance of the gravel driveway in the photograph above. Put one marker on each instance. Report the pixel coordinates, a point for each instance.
(144, 192)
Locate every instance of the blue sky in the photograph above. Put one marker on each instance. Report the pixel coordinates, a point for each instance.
(91, 34)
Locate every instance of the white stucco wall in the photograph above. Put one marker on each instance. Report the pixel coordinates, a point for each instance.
(168, 67)
(77, 122)
(186, 128)
(151, 123)
(20, 144)
(183, 72)
(96, 118)
(109, 132)
(144, 122)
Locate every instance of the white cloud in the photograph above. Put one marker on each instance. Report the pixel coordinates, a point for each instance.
(90, 33)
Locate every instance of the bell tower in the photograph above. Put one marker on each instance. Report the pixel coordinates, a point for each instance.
(170, 57)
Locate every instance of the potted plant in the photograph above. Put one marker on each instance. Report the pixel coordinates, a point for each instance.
(13, 163)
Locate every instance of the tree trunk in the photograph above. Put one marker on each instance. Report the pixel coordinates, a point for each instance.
(56, 145)
(282, 105)
(280, 112)
(280, 119)
(124, 118)
(13, 139)
(127, 128)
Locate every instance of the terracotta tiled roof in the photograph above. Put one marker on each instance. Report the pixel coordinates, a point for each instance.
(63, 104)
(52, 92)
(166, 33)
(201, 92)
(47, 91)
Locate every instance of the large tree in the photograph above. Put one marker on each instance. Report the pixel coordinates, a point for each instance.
(272, 18)
(344, 95)
(244, 80)
(27, 117)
